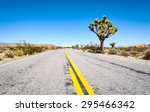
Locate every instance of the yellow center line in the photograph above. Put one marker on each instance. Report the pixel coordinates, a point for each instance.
(81, 77)
(75, 82)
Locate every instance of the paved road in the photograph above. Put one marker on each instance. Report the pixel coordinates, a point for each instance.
(47, 73)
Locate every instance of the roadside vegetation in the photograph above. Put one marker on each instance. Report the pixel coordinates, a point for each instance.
(104, 29)
(22, 49)
(139, 51)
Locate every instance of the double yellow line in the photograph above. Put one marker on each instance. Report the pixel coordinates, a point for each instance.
(74, 70)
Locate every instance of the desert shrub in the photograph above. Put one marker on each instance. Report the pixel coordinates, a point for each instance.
(133, 48)
(18, 52)
(52, 48)
(120, 48)
(28, 49)
(46, 48)
(139, 49)
(147, 54)
(124, 53)
(139, 55)
(10, 48)
(112, 51)
(134, 53)
(128, 49)
(1, 50)
(91, 48)
(9, 54)
(1, 57)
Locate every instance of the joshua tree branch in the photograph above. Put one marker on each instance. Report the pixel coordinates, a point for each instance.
(96, 28)
(95, 32)
(108, 34)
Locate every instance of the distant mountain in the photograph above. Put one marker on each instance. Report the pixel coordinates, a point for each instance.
(3, 44)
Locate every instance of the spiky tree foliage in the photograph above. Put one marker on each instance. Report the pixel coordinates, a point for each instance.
(103, 29)
(112, 44)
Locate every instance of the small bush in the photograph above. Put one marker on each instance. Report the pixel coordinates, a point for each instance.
(9, 54)
(112, 51)
(18, 52)
(91, 48)
(1, 57)
(147, 54)
(1, 50)
(29, 49)
(52, 48)
(133, 53)
(124, 53)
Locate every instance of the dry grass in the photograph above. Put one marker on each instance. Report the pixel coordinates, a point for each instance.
(147, 54)
(9, 54)
(22, 49)
(140, 51)
(112, 51)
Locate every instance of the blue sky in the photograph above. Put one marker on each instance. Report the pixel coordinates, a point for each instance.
(65, 22)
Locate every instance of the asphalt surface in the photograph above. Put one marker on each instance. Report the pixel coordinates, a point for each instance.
(47, 74)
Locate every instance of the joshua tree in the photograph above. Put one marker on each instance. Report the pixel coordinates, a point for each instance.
(103, 29)
(112, 44)
(77, 46)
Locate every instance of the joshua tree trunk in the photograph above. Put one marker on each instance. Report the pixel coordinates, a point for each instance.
(102, 46)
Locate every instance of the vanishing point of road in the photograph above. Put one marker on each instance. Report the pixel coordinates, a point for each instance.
(53, 73)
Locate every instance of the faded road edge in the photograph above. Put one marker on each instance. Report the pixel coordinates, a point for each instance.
(82, 79)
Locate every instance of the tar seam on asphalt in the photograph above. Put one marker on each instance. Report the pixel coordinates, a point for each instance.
(68, 81)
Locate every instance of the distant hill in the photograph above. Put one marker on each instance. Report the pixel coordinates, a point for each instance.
(3, 44)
